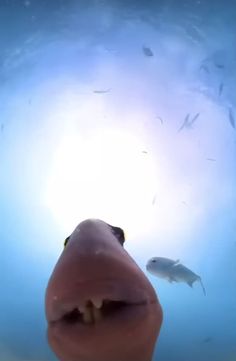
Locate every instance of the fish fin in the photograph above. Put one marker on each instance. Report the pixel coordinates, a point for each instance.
(177, 261)
(172, 279)
(190, 283)
(203, 288)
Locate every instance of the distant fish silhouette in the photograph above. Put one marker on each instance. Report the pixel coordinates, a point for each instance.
(154, 199)
(205, 68)
(102, 91)
(219, 66)
(221, 87)
(147, 51)
(207, 340)
(188, 123)
(194, 118)
(231, 118)
(2, 128)
(161, 120)
(184, 123)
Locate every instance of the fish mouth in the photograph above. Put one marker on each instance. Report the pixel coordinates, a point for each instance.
(94, 312)
(112, 304)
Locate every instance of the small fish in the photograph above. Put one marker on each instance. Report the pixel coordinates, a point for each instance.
(154, 199)
(194, 118)
(205, 68)
(147, 51)
(161, 120)
(184, 123)
(211, 159)
(102, 91)
(207, 339)
(231, 118)
(220, 66)
(221, 87)
(2, 128)
(144, 152)
(188, 123)
(173, 271)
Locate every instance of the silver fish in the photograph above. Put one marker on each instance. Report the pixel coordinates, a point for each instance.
(219, 66)
(161, 120)
(207, 339)
(231, 118)
(147, 51)
(184, 123)
(205, 68)
(172, 271)
(221, 87)
(160, 266)
(102, 91)
(188, 122)
(194, 119)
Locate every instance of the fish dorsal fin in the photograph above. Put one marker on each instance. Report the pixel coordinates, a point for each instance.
(177, 261)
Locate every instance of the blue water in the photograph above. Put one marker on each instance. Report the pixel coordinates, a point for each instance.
(53, 55)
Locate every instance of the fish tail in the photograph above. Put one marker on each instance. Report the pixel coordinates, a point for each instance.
(203, 288)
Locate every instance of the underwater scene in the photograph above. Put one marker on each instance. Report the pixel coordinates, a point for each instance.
(118, 180)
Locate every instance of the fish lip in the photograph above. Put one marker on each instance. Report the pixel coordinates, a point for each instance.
(129, 318)
(132, 295)
(60, 320)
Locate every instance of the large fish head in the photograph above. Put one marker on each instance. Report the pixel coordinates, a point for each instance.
(160, 266)
(99, 304)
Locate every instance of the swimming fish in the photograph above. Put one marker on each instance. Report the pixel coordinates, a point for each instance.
(211, 159)
(207, 340)
(173, 271)
(161, 120)
(205, 68)
(221, 87)
(154, 199)
(188, 122)
(147, 51)
(186, 119)
(194, 119)
(231, 118)
(99, 304)
(102, 91)
(219, 66)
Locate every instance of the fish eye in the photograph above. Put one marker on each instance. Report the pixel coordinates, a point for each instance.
(66, 241)
(118, 233)
(153, 260)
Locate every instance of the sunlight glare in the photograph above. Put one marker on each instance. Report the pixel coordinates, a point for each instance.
(108, 175)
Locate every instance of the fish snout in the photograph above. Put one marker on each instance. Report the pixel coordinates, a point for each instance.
(98, 301)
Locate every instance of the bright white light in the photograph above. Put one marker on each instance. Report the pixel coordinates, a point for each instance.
(108, 176)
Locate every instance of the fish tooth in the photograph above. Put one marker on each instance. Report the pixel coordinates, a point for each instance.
(97, 314)
(97, 302)
(88, 315)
